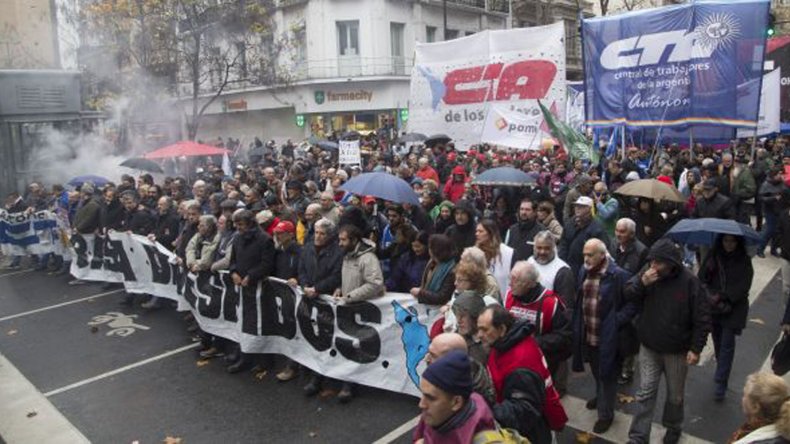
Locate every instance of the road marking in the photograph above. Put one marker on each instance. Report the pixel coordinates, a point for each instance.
(400, 431)
(764, 272)
(62, 304)
(14, 273)
(120, 324)
(27, 416)
(121, 370)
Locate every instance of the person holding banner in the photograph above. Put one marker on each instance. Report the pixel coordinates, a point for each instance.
(88, 217)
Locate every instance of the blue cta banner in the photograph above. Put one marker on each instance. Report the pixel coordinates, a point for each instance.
(689, 64)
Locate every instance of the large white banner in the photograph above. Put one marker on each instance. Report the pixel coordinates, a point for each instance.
(380, 343)
(452, 82)
(35, 232)
(768, 122)
(507, 127)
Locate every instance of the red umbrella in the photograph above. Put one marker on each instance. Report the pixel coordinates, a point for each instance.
(185, 148)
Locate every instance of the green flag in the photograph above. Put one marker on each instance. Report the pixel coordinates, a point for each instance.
(577, 145)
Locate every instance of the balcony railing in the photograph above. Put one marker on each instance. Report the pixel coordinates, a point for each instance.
(352, 67)
(489, 5)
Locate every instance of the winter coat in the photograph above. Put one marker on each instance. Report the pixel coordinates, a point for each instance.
(544, 309)
(361, 273)
(184, 236)
(520, 237)
(632, 258)
(112, 215)
(444, 294)
(166, 230)
(730, 276)
(572, 243)
(200, 251)
(743, 185)
(615, 313)
(88, 217)
(463, 236)
(252, 255)
(606, 214)
(768, 193)
(477, 419)
(764, 435)
(139, 221)
(321, 269)
(407, 272)
(719, 206)
(674, 315)
(286, 261)
(554, 226)
(454, 191)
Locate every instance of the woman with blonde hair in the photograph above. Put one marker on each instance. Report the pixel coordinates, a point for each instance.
(498, 255)
(766, 404)
(476, 257)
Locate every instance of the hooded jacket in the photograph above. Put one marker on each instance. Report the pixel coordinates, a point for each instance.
(361, 273)
(674, 316)
(463, 236)
(454, 191)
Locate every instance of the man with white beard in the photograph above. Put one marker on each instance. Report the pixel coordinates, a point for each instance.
(555, 274)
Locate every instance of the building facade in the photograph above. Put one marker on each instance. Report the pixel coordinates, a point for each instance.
(351, 66)
(29, 34)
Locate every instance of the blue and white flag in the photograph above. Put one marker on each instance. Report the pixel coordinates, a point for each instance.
(28, 233)
(675, 66)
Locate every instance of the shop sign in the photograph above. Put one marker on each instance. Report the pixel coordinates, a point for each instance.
(346, 96)
(319, 97)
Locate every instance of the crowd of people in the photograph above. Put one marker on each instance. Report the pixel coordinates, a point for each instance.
(533, 282)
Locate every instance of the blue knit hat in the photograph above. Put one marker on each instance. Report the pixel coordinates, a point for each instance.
(451, 373)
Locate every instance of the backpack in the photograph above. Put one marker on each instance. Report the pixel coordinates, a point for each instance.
(499, 436)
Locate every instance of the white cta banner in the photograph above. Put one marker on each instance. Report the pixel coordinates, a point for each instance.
(768, 121)
(380, 343)
(512, 128)
(453, 82)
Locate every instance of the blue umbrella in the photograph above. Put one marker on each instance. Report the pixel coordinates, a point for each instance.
(95, 180)
(504, 176)
(326, 145)
(382, 185)
(705, 231)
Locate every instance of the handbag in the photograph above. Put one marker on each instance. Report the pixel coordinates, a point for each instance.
(780, 356)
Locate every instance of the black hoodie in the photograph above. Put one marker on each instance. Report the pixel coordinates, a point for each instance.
(463, 236)
(674, 315)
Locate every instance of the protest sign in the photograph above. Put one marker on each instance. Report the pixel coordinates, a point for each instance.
(380, 343)
(675, 66)
(453, 82)
(507, 127)
(349, 152)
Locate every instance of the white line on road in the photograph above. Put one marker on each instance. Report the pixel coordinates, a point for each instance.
(14, 273)
(62, 304)
(121, 370)
(400, 431)
(27, 416)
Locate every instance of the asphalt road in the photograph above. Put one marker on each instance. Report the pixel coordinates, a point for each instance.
(147, 385)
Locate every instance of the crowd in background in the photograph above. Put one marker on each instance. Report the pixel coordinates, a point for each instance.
(534, 281)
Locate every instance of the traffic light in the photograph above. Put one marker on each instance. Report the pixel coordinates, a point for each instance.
(770, 31)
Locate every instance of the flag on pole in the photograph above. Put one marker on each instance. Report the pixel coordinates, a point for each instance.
(226, 165)
(574, 142)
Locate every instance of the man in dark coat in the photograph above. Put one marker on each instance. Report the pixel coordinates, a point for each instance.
(137, 219)
(713, 203)
(166, 230)
(673, 326)
(112, 211)
(629, 253)
(286, 262)
(574, 235)
(520, 235)
(251, 260)
(599, 318)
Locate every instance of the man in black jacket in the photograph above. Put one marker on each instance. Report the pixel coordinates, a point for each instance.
(629, 253)
(251, 260)
(520, 235)
(574, 235)
(673, 327)
(136, 220)
(713, 203)
(165, 233)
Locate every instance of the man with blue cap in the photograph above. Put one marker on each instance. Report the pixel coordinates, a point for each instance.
(451, 411)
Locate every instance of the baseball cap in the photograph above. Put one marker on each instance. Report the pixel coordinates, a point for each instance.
(584, 200)
(284, 226)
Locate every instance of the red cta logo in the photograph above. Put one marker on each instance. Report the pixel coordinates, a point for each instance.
(528, 79)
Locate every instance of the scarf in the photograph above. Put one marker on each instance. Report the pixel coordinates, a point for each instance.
(591, 294)
(458, 419)
(439, 272)
(748, 427)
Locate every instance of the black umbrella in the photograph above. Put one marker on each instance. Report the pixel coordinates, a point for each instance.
(139, 163)
(437, 138)
(504, 176)
(412, 137)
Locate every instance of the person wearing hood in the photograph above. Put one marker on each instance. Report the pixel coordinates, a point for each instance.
(727, 274)
(455, 187)
(770, 198)
(462, 232)
(526, 399)
(361, 278)
(600, 317)
(520, 235)
(673, 326)
(442, 215)
(528, 300)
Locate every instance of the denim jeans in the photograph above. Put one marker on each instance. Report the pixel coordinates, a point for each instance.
(605, 390)
(724, 345)
(651, 366)
(768, 230)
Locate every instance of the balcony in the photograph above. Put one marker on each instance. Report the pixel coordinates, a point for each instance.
(499, 6)
(352, 66)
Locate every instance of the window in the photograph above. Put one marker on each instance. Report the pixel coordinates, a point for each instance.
(348, 38)
(430, 34)
(451, 34)
(396, 47)
(470, 33)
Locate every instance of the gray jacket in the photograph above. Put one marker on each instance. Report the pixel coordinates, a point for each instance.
(200, 251)
(362, 278)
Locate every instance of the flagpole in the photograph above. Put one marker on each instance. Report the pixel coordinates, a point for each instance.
(622, 145)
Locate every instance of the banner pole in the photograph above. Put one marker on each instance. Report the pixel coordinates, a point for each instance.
(622, 143)
(691, 141)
